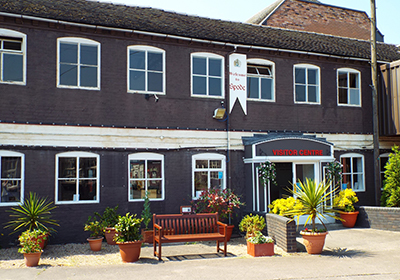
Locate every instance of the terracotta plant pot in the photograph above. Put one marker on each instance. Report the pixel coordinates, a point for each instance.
(147, 236)
(130, 251)
(32, 259)
(229, 230)
(314, 241)
(95, 243)
(260, 250)
(43, 240)
(110, 233)
(349, 218)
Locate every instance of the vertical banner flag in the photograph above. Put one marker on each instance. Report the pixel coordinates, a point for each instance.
(237, 81)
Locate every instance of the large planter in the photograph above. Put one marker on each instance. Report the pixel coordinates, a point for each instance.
(349, 218)
(95, 243)
(314, 241)
(260, 250)
(130, 251)
(32, 259)
(147, 236)
(229, 230)
(110, 233)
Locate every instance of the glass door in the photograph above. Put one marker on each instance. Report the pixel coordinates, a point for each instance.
(302, 171)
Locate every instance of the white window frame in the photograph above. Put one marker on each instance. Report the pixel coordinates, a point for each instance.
(79, 42)
(20, 37)
(146, 157)
(207, 56)
(351, 173)
(382, 170)
(146, 49)
(4, 153)
(262, 62)
(307, 66)
(208, 156)
(348, 71)
(78, 155)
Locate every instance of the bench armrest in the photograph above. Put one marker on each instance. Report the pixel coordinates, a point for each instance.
(158, 230)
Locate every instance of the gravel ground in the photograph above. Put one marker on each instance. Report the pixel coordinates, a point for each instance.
(81, 255)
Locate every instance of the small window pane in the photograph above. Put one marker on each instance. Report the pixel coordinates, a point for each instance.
(312, 94)
(199, 85)
(154, 169)
(155, 82)
(357, 165)
(266, 89)
(155, 61)
(214, 67)
(137, 80)
(353, 80)
(201, 164)
(264, 70)
(343, 95)
(67, 167)
(354, 96)
(66, 190)
(11, 45)
(312, 76)
(12, 67)
(215, 164)
(68, 75)
(154, 189)
(87, 189)
(252, 87)
(137, 188)
(10, 190)
(215, 87)
(137, 169)
(137, 59)
(199, 66)
(88, 76)
(88, 55)
(10, 167)
(200, 182)
(87, 168)
(300, 93)
(68, 53)
(215, 181)
(358, 181)
(251, 70)
(342, 79)
(300, 76)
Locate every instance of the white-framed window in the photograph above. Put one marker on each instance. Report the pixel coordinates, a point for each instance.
(208, 172)
(307, 84)
(207, 75)
(353, 171)
(146, 70)
(146, 173)
(260, 80)
(349, 87)
(12, 172)
(12, 57)
(78, 63)
(77, 178)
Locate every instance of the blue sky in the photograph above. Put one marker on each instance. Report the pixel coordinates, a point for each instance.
(239, 10)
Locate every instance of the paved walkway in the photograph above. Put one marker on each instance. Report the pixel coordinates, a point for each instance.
(359, 254)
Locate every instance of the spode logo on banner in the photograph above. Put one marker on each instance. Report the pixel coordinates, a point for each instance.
(237, 81)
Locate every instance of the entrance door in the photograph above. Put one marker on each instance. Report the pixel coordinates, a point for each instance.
(303, 171)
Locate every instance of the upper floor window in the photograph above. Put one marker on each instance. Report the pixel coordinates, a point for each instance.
(349, 92)
(77, 177)
(207, 75)
(306, 84)
(146, 69)
(78, 63)
(12, 57)
(11, 177)
(208, 172)
(353, 171)
(260, 80)
(146, 173)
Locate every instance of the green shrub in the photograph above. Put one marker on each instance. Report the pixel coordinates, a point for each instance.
(127, 228)
(391, 186)
(251, 224)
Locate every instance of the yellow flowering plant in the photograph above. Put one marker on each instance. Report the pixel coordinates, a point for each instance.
(345, 200)
(282, 205)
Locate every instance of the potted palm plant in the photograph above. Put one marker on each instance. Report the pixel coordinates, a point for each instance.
(95, 240)
(345, 201)
(313, 198)
(30, 247)
(33, 213)
(147, 232)
(128, 237)
(260, 245)
(252, 224)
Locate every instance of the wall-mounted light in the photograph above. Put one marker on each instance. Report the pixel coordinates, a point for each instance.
(219, 113)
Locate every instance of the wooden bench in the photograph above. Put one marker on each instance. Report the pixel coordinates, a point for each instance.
(187, 228)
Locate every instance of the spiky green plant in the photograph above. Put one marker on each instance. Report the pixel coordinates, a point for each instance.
(313, 198)
(34, 213)
(146, 213)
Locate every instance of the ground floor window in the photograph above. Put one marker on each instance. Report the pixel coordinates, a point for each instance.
(353, 171)
(146, 173)
(12, 183)
(77, 177)
(208, 172)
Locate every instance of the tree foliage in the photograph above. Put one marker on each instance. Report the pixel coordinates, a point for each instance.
(391, 186)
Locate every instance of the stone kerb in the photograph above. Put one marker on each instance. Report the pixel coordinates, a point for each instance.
(384, 218)
(283, 231)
